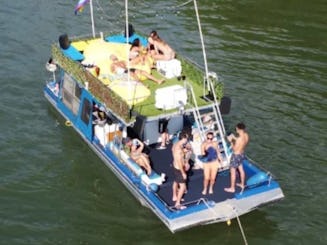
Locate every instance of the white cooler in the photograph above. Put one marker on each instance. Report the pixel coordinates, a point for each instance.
(169, 69)
(170, 97)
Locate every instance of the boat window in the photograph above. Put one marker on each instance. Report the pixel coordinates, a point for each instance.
(78, 91)
(71, 93)
(86, 111)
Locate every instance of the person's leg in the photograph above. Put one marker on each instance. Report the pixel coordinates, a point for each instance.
(142, 163)
(149, 76)
(242, 176)
(159, 57)
(146, 163)
(181, 190)
(164, 139)
(232, 180)
(213, 175)
(206, 178)
(175, 189)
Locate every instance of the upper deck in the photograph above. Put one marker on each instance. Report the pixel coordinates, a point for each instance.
(124, 97)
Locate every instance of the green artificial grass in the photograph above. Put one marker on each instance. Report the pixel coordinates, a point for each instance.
(147, 107)
(193, 76)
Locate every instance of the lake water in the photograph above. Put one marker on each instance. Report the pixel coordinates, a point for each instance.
(272, 57)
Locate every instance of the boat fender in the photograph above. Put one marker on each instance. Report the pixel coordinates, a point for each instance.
(51, 66)
(154, 187)
(136, 180)
(68, 123)
(257, 179)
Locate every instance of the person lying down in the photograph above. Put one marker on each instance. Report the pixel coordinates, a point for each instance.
(119, 67)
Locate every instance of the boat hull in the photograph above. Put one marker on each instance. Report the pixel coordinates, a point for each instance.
(205, 211)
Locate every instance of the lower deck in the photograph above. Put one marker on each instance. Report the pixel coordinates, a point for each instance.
(77, 108)
(162, 163)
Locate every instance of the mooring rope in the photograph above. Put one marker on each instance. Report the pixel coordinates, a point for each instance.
(240, 225)
(237, 217)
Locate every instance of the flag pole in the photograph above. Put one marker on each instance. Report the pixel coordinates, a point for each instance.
(92, 19)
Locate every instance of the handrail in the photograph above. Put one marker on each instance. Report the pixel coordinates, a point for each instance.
(196, 202)
(196, 112)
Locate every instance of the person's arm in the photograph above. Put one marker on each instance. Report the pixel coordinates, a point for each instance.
(181, 165)
(231, 138)
(141, 145)
(218, 152)
(155, 43)
(112, 67)
(203, 149)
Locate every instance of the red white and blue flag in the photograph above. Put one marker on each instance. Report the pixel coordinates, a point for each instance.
(80, 5)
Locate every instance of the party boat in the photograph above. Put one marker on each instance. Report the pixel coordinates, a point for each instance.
(81, 86)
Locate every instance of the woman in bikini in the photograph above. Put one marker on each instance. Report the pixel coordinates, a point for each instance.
(142, 159)
(211, 162)
(138, 54)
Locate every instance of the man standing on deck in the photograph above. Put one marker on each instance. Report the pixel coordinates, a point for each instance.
(238, 144)
(179, 185)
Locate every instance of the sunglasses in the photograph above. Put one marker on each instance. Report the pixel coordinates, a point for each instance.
(209, 138)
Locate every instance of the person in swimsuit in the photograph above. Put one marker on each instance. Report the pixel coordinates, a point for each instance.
(188, 151)
(159, 49)
(119, 67)
(238, 144)
(211, 159)
(135, 49)
(138, 54)
(136, 147)
(179, 185)
(150, 47)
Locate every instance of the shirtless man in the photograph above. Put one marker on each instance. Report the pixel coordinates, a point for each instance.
(238, 144)
(162, 51)
(179, 185)
(119, 67)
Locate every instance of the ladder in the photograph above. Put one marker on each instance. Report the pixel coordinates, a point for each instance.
(217, 124)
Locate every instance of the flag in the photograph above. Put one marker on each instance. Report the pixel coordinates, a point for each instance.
(80, 5)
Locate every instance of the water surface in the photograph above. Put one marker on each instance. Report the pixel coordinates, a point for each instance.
(272, 57)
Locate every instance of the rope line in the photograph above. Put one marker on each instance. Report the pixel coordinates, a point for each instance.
(239, 224)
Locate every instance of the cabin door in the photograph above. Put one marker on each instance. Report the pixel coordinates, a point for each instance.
(84, 120)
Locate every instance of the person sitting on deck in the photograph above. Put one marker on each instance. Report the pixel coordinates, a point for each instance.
(159, 49)
(211, 161)
(139, 55)
(136, 147)
(99, 115)
(119, 67)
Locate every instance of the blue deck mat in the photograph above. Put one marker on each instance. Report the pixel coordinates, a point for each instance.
(122, 39)
(162, 163)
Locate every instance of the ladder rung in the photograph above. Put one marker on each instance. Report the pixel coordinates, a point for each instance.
(208, 114)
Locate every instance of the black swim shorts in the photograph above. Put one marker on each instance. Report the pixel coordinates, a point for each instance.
(178, 176)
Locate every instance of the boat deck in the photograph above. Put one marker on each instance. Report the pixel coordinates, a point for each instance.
(162, 163)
